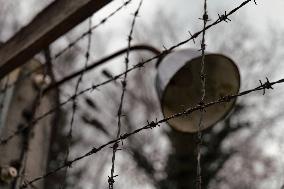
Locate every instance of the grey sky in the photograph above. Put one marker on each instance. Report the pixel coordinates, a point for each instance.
(259, 16)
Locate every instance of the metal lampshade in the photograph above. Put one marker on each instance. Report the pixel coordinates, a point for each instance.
(179, 87)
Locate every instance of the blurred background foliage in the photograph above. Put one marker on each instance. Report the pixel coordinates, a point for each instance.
(243, 151)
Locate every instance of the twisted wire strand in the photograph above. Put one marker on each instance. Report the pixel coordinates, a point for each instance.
(205, 19)
(120, 108)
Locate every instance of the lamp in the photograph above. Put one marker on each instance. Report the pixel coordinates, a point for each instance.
(179, 86)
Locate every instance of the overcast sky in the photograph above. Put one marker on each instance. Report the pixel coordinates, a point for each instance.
(268, 13)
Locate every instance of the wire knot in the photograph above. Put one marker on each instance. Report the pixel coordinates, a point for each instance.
(202, 47)
(111, 181)
(266, 85)
(152, 124)
(226, 98)
(203, 77)
(68, 164)
(202, 106)
(224, 17)
(193, 36)
(205, 17)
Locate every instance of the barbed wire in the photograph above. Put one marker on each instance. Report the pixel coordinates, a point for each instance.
(205, 19)
(74, 103)
(153, 124)
(221, 18)
(72, 44)
(120, 108)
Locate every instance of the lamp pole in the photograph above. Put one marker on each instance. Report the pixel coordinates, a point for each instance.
(103, 61)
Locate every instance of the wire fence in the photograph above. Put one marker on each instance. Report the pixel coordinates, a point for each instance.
(139, 65)
(263, 86)
(153, 124)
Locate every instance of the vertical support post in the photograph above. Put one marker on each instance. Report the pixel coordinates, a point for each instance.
(29, 149)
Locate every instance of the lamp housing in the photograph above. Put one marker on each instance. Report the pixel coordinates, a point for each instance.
(178, 84)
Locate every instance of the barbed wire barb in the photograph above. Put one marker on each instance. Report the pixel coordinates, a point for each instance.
(224, 17)
(193, 37)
